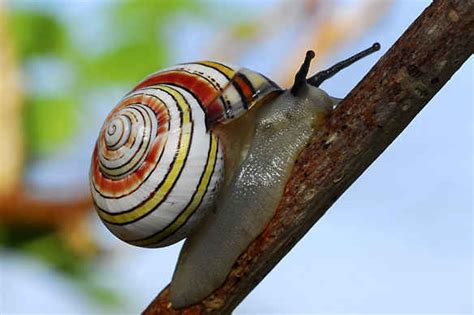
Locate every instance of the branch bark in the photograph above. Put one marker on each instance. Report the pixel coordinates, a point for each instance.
(373, 114)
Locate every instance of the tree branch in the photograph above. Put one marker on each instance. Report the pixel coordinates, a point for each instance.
(23, 208)
(374, 113)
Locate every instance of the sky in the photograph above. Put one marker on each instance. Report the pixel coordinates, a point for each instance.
(398, 241)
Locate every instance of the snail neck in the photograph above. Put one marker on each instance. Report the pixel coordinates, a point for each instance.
(235, 138)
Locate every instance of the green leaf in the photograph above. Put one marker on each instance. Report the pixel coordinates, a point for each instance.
(140, 47)
(37, 33)
(125, 64)
(49, 122)
(145, 11)
(103, 295)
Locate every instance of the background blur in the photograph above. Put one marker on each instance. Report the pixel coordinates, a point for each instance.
(398, 241)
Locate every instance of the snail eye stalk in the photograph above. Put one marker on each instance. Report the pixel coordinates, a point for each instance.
(317, 79)
(300, 77)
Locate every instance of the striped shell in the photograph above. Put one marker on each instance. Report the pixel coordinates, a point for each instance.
(157, 165)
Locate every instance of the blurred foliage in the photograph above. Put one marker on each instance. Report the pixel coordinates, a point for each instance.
(46, 245)
(43, 244)
(52, 38)
(43, 129)
(247, 29)
(140, 44)
(139, 47)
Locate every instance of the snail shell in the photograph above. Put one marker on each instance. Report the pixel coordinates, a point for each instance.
(157, 165)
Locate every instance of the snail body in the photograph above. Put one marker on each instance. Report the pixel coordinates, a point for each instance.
(203, 151)
(249, 201)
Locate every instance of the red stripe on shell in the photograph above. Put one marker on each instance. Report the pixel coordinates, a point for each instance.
(206, 93)
(116, 187)
(121, 186)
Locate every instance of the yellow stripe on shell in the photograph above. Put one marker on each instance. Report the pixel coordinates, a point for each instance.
(256, 79)
(220, 67)
(171, 176)
(192, 206)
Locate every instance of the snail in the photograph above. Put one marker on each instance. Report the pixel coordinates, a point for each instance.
(203, 151)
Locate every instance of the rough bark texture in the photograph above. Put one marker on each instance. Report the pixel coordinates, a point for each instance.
(364, 124)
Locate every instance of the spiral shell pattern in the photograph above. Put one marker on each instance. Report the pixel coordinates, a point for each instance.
(157, 165)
